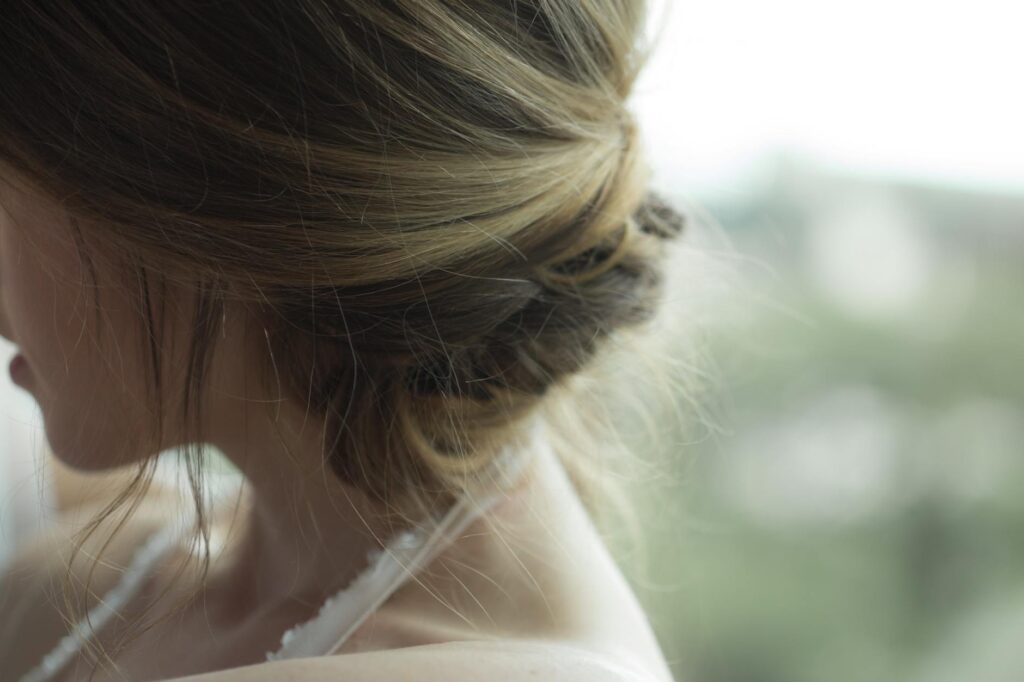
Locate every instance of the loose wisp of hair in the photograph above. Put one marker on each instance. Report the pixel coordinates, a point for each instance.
(437, 212)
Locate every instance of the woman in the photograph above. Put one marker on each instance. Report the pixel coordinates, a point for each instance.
(364, 249)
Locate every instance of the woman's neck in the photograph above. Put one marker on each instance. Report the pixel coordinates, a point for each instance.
(302, 533)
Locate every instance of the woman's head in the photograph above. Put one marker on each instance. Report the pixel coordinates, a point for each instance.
(429, 213)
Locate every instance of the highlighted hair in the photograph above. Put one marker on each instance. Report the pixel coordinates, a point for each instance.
(437, 211)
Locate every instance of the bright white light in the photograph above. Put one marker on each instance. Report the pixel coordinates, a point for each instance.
(914, 88)
(870, 257)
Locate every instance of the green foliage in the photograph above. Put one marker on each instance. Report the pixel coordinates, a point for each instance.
(884, 546)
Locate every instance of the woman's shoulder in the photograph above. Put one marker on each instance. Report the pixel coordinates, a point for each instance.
(115, 535)
(37, 583)
(461, 661)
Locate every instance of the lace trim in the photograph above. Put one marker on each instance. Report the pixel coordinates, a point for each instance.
(402, 557)
(299, 640)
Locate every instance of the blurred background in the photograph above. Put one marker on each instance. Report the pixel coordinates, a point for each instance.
(851, 513)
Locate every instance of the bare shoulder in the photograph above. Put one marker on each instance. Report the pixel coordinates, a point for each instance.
(33, 584)
(462, 661)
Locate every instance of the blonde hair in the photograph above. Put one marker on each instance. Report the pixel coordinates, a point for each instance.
(437, 211)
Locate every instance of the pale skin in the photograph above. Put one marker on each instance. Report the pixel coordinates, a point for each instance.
(544, 600)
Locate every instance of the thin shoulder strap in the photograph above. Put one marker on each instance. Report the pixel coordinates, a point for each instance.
(401, 559)
(114, 600)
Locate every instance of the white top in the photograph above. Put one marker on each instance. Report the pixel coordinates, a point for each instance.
(403, 556)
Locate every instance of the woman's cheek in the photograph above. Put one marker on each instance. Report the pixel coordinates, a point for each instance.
(79, 373)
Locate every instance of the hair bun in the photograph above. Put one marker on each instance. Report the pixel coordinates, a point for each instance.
(575, 303)
(655, 216)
